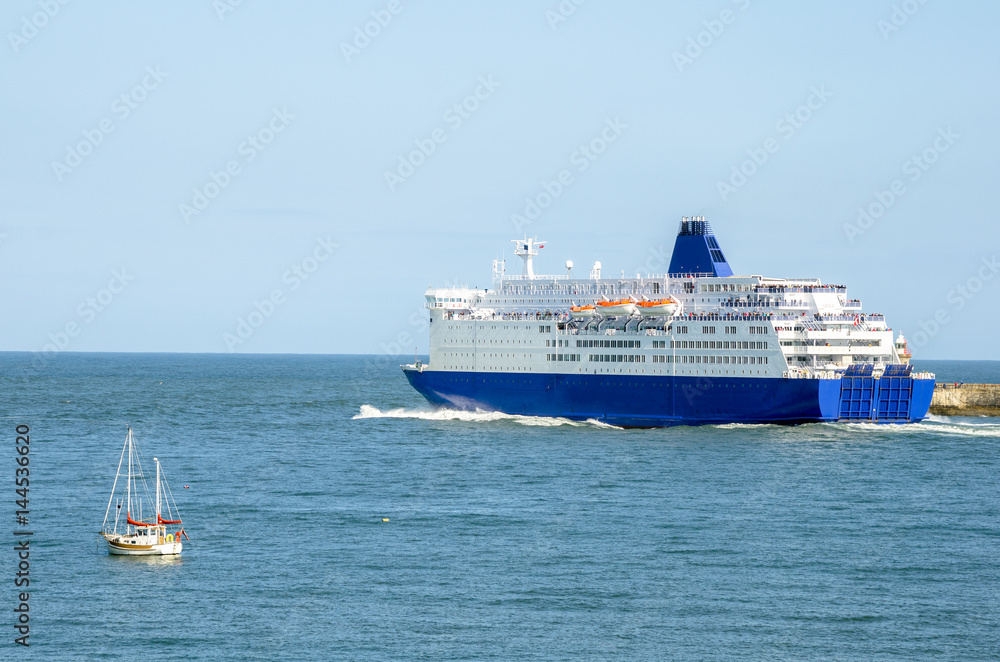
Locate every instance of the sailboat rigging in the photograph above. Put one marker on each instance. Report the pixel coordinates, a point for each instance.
(146, 533)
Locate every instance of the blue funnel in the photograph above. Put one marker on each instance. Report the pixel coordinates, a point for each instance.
(696, 250)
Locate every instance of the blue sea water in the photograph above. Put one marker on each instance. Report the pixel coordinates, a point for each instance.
(508, 537)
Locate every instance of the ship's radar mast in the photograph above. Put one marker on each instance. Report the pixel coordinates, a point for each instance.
(526, 249)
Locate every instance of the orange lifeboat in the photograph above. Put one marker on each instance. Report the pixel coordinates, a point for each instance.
(658, 307)
(619, 307)
(582, 312)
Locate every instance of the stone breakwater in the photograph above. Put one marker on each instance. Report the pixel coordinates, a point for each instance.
(966, 400)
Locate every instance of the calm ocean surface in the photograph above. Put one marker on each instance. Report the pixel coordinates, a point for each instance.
(507, 537)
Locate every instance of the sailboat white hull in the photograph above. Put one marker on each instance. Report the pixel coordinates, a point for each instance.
(124, 546)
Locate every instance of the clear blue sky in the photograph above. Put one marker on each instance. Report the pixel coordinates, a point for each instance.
(152, 99)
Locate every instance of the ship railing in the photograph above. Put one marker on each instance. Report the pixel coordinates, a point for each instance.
(750, 315)
(877, 372)
(763, 304)
(775, 304)
(804, 289)
(547, 316)
(798, 373)
(507, 277)
(834, 318)
(737, 317)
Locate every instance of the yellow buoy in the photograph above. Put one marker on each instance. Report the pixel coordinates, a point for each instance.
(385, 519)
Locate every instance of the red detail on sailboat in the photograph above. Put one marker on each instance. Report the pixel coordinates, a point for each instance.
(128, 518)
(160, 520)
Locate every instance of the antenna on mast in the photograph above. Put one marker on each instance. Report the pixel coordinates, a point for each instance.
(526, 249)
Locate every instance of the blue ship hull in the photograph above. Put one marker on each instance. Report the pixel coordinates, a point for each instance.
(659, 401)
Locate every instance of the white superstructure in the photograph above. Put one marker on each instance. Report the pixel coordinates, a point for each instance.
(745, 326)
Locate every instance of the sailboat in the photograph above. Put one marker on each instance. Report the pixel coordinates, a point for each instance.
(143, 531)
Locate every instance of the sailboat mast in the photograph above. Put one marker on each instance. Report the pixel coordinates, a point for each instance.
(157, 490)
(128, 497)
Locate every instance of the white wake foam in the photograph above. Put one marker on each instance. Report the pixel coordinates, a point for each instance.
(935, 424)
(963, 427)
(478, 416)
(742, 426)
(970, 421)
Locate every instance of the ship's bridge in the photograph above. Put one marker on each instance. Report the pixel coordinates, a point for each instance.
(453, 299)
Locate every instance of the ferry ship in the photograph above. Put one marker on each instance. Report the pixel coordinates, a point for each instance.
(697, 345)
